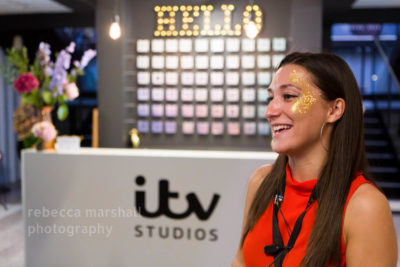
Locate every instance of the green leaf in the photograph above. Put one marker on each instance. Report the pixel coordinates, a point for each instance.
(31, 140)
(47, 97)
(62, 112)
(19, 59)
(28, 99)
(60, 99)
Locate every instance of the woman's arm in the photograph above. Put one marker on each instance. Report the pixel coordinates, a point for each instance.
(368, 230)
(254, 182)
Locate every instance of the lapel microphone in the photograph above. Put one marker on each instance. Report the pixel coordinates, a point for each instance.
(273, 250)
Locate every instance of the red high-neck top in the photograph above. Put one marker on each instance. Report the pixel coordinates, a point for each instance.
(294, 203)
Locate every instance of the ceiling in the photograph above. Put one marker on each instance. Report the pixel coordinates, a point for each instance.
(13, 7)
(376, 4)
(20, 7)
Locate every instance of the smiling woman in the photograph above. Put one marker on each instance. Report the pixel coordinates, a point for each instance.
(317, 204)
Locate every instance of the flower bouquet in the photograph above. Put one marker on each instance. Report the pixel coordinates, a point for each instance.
(43, 85)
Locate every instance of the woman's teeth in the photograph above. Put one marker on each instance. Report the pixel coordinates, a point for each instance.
(281, 127)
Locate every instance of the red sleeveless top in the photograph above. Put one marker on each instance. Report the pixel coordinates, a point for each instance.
(294, 203)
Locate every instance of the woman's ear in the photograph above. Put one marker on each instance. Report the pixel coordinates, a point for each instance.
(336, 110)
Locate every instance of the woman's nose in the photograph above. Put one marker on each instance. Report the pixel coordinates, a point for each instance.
(272, 109)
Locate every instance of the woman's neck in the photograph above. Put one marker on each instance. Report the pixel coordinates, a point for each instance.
(307, 167)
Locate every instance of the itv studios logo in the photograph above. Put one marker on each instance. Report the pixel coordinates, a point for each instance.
(175, 232)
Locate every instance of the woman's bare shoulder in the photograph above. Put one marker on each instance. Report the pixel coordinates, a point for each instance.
(368, 229)
(259, 175)
(368, 200)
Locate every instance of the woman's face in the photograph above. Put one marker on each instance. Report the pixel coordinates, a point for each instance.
(296, 111)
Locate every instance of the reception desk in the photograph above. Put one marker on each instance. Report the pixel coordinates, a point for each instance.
(146, 207)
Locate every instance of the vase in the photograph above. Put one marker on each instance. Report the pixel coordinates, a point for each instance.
(45, 115)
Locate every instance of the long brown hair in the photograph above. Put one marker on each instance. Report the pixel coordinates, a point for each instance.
(346, 156)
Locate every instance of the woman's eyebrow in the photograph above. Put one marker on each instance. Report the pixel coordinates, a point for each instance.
(284, 86)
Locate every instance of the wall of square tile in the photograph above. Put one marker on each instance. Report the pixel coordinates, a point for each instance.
(200, 92)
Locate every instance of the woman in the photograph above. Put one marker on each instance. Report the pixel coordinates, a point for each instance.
(316, 205)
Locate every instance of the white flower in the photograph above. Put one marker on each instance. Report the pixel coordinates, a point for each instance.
(71, 91)
(44, 130)
(71, 47)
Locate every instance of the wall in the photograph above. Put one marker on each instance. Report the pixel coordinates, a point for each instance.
(301, 23)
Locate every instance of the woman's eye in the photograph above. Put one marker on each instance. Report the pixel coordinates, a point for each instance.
(289, 96)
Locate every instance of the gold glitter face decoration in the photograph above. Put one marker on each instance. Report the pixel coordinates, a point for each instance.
(304, 103)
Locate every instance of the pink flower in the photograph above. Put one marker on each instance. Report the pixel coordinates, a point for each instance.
(71, 90)
(25, 83)
(44, 130)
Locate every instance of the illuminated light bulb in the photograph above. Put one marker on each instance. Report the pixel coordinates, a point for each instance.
(196, 27)
(210, 7)
(190, 20)
(223, 32)
(203, 8)
(251, 30)
(185, 26)
(169, 33)
(256, 7)
(156, 8)
(258, 20)
(246, 20)
(195, 33)
(231, 7)
(183, 8)
(169, 8)
(182, 33)
(238, 27)
(196, 8)
(156, 33)
(172, 27)
(166, 21)
(115, 29)
(135, 139)
(189, 8)
(196, 13)
(248, 8)
(238, 33)
(185, 14)
(246, 14)
(160, 21)
(175, 8)
(172, 21)
(172, 14)
(258, 13)
(189, 33)
(175, 33)
(217, 26)
(203, 32)
(163, 33)
(163, 8)
(160, 14)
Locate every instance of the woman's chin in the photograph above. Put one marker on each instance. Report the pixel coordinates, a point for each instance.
(279, 150)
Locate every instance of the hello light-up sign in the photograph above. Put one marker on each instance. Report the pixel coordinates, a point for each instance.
(167, 20)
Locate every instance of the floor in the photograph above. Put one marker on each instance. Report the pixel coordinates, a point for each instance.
(11, 231)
